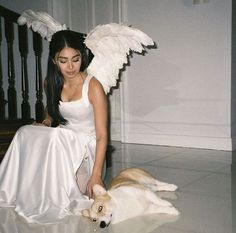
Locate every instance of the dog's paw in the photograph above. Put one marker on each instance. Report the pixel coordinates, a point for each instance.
(167, 187)
(173, 211)
(171, 187)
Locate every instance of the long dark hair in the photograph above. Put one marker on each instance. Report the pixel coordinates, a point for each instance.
(54, 79)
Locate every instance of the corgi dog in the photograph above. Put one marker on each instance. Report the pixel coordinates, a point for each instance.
(131, 194)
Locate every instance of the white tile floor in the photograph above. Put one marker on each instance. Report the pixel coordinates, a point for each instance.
(206, 196)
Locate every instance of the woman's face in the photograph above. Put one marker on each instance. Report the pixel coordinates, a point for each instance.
(69, 62)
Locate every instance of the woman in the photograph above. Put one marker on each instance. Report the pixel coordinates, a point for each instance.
(47, 171)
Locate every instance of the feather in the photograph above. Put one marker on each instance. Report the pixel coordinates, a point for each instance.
(41, 22)
(111, 45)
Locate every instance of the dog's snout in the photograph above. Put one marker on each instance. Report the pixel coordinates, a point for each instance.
(103, 224)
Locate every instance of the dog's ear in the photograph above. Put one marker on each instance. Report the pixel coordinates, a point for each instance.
(85, 213)
(99, 190)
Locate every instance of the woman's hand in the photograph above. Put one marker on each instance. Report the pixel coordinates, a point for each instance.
(45, 122)
(93, 180)
(38, 124)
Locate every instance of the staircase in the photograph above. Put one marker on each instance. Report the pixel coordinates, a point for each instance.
(10, 121)
(8, 129)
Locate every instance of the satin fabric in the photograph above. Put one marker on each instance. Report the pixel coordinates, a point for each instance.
(38, 172)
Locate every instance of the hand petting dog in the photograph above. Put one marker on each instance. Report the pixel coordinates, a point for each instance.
(94, 180)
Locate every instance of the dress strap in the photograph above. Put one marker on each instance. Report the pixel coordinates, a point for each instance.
(86, 89)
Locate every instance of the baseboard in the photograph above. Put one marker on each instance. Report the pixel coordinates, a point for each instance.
(213, 143)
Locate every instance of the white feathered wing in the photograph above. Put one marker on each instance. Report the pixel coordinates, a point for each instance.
(110, 45)
(41, 22)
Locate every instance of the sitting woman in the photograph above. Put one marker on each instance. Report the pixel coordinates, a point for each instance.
(48, 172)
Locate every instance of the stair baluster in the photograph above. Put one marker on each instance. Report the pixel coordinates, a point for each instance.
(12, 103)
(23, 48)
(39, 107)
(2, 99)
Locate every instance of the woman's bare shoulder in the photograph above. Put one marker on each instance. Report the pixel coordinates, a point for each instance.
(95, 85)
(95, 89)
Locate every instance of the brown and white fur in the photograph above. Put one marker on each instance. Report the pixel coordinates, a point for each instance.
(131, 193)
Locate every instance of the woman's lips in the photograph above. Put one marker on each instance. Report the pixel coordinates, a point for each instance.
(70, 73)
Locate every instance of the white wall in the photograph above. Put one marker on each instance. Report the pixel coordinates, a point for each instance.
(180, 93)
(233, 77)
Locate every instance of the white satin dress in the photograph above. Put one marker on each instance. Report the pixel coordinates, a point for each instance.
(38, 172)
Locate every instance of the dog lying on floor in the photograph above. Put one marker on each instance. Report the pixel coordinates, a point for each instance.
(131, 193)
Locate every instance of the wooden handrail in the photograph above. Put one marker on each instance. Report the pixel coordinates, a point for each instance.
(9, 14)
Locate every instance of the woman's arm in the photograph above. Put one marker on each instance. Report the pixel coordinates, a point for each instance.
(98, 99)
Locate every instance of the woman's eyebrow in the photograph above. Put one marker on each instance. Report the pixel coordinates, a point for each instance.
(77, 55)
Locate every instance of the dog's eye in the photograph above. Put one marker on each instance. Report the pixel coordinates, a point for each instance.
(94, 220)
(100, 208)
